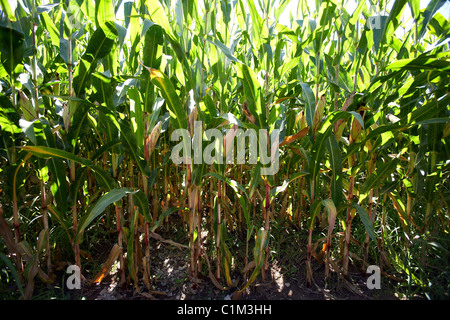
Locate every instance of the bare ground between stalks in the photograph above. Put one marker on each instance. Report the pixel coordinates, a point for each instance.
(171, 282)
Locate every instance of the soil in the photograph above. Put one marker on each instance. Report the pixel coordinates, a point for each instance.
(169, 267)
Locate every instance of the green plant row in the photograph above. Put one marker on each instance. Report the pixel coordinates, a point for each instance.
(93, 91)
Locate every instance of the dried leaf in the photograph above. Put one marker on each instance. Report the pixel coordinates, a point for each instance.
(247, 113)
(292, 138)
(148, 295)
(113, 255)
(249, 266)
(237, 295)
(6, 234)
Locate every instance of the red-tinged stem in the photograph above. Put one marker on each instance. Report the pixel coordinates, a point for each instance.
(266, 213)
(348, 227)
(45, 223)
(120, 244)
(370, 212)
(75, 220)
(199, 231)
(219, 200)
(34, 68)
(308, 258)
(383, 228)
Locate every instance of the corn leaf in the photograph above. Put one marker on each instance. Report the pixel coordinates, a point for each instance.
(109, 198)
(379, 176)
(336, 170)
(14, 273)
(365, 220)
(177, 112)
(431, 9)
(98, 47)
(46, 152)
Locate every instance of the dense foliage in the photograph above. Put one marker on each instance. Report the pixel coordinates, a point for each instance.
(89, 101)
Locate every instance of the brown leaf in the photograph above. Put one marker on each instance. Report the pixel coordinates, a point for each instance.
(247, 113)
(146, 273)
(249, 267)
(298, 135)
(6, 233)
(215, 282)
(113, 255)
(32, 271)
(148, 296)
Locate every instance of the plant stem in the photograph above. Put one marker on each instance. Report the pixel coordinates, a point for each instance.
(219, 222)
(266, 214)
(45, 223)
(348, 222)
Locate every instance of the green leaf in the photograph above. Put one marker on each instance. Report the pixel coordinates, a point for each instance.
(261, 242)
(288, 65)
(256, 177)
(436, 62)
(129, 141)
(12, 49)
(232, 183)
(365, 220)
(429, 110)
(9, 12)
(104, 148)
(105, 89)
(394, 18)
(164, 215)
(432, 8)
(98, 47)
(61, 219)
(134, 27)
(59, 185)
(233, 120)
(223, 48)
(45, 152)
(109, 198)
(253, 94)
(415, 8)
(159, 16)
(77, 186)
(320, 143)
(316, 207)
(336, 170)
(379, 34)
(13, 272)
(153, 42)
(142, 203)
(177, 112)
(356, 14)
(40, 133)
(257, 24)
(28, 112)
(275, 191)
(378, 177)
(128, 138)
(310, 100)
(104, 12)
(51, 28)
(136, 115)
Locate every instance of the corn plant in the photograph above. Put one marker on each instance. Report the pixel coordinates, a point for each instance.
(109, 107)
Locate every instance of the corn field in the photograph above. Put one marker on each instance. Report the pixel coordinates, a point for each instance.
(110, 110)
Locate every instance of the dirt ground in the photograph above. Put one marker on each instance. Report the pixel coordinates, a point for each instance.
(171, 282)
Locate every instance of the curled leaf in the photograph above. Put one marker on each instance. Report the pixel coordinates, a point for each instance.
(247, 113)
(292, 138)
(29, 113)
